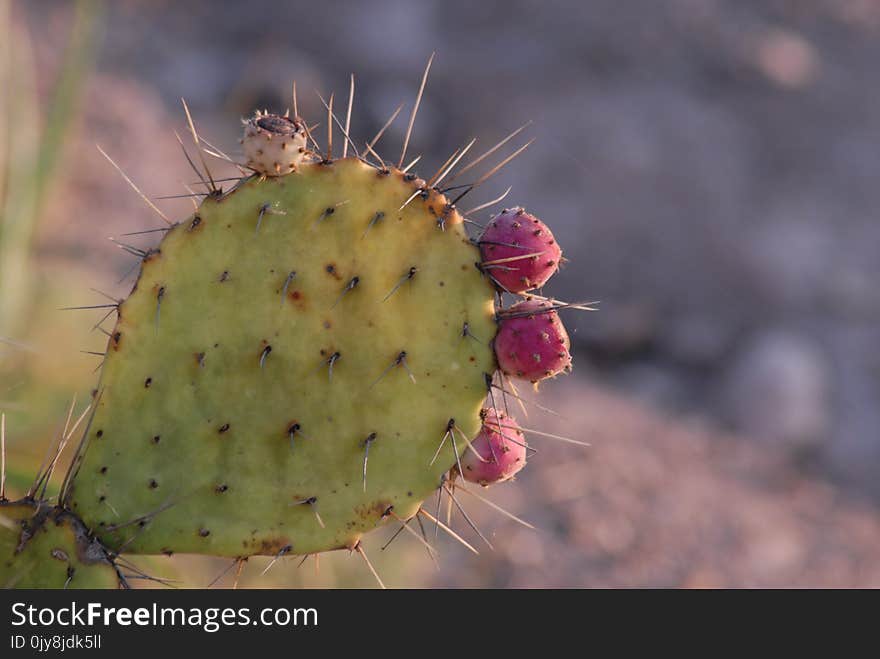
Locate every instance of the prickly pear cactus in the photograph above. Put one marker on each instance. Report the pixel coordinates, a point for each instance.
(307, 357)
(42, 546)
(287, 366)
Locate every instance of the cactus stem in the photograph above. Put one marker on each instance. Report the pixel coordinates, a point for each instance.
(136, 188)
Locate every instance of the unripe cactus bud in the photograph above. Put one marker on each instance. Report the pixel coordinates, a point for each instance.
(274, 145)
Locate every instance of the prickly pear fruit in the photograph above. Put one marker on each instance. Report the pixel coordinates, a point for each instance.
(42, 546)
(280, 382)
(519, 251)
(497, 453)
(273, 144)
(531, 343)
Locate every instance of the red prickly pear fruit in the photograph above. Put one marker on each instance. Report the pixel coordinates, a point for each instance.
(519, 251)
(531, 342)
(497, 453)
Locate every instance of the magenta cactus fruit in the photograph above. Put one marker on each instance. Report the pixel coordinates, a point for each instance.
(497, 453)
(532, 343)
(519, 251)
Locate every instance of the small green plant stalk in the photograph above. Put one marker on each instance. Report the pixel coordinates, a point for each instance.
(305, 358)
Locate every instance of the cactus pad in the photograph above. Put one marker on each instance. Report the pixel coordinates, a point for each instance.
(45, 547)
(288, 336)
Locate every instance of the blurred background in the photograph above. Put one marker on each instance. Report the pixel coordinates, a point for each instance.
(711, 168)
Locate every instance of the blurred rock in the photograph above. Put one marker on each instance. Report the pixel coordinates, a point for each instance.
(653, 384)
(699, 340)
(778, 389)
(657, 503)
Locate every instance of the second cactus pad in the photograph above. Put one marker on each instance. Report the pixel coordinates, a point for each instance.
(289, 334)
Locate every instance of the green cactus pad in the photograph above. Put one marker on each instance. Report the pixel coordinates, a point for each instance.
(45, 547)
(270, 339)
